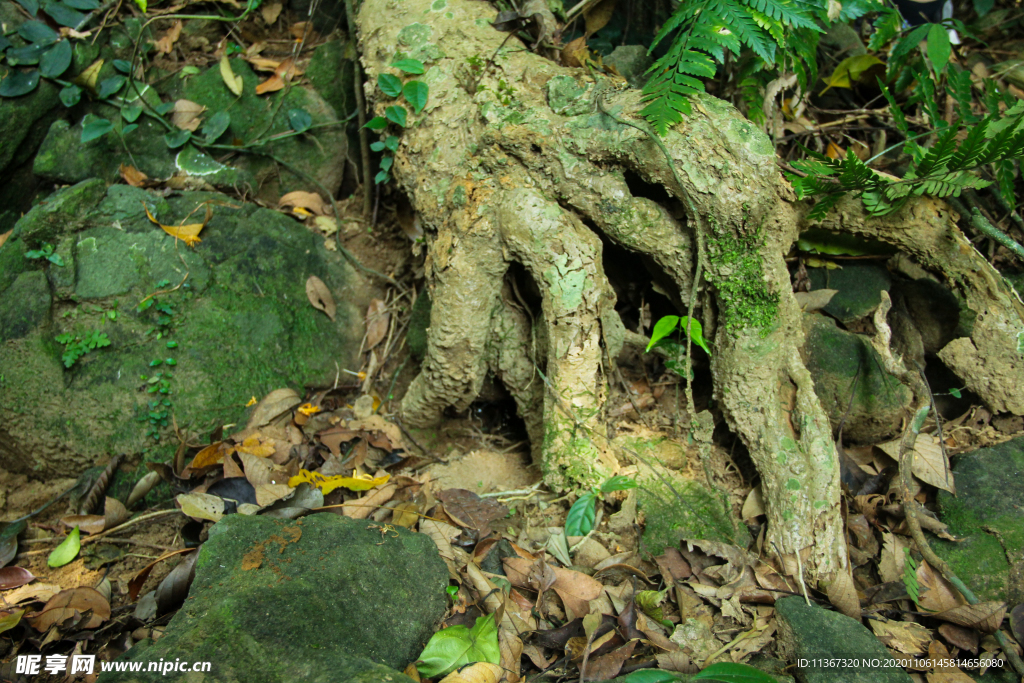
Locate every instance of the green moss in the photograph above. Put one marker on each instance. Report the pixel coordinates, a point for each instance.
(740, 281)
(694, 514)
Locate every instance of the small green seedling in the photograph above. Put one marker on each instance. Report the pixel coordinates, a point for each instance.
(45, 252)
(77, 346)
(580, 520)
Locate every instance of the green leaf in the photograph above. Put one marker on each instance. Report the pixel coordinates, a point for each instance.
(216, 125)
(66, 551)
(452, 647)
(939, 49)
(409, 66)
(177, 138)
(131, 112)
(376, 123)
(377, 146)
(29, 54)
(31, 6)
(172, 344)
(18, 83)
(130, 128)
(385, 163)
(415, 93)
(11, 620)
(983, 7)
(696, 333)
(64, 15)
(396, 114)
(580, 520)
(142, 5)
(619, 483)
(109, 86)
(391, 142)
(38, 32)
(662, 329)
(389, 85)
(94, 127)
(650, 676)
(954, 392)
(165, 108)
(84, 5)
(56, 60)
(300, 120)
(728, 672)
(4, 43)
(122, 65)
(381, 177)
(56, 260)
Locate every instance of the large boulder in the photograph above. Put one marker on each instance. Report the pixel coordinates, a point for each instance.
(223, 322)
(270, 160)
(323, 599)
(988, 515)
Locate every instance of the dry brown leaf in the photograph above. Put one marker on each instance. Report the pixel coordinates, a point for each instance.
(377, 322)
(67, 604)
(480, 672)
(753, 506)
(271, 12)
(368, 504)
(961, 637)
(166, 42)
(936, 594)
(597, 17)
(114, 513)
(510, 645)
(812, 301)
(298, 30)
(320, 296)
(36, 592)
(14, 577)
(4, 236)
(187, 114)
(575, 53)
(272, 84)
(210, 456)
(890, 565)
(930, 464)
(305, 200)
(576, 589)
(944, 674)
(264, 63)
(907, 637)
(274, 405)
(233, 81)
(201, 506)
(130, 175)
(985, 616)
(90, 524)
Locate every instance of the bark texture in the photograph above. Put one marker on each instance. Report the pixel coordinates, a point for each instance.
(524, 167)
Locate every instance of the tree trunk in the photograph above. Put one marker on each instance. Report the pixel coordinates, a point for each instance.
(524, 167)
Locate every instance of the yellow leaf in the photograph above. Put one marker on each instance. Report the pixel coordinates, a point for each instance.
(309, 409)
(252, 402)
(233, 82)
(189, 234)
(328, 484)
(87, 79)
(257, 445)
(849, 71)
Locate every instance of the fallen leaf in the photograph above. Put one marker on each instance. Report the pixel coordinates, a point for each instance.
(231, 80)
(936, 594)
(961, 637)
(189, 234)
(9, 620)
(271, 12)
(201, 506)
(3, 237)
(930, 463)
(13, 577)
(575, 53)
(328, 484)
(139, 580)
(90, 524)
(812, 301)
(272, 84)
(273, 406)
(470, 510)
(597, 17)
(607, 666)
(367, 505)
(320, 296)
(907, 637)
(34, 592)
(130, 175)
(67, 604)
(173, 590)
(187, 114)
(166, 42)
(306, 200)
(378, 320)
(66, 551)
(984, 616)
(87, 79)
(753, 506)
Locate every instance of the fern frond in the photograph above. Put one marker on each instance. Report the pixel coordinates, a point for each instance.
(808, 186)
(855, 173)
(877, 204)
(939, 154)
(951, 184)
(1004, 176)
(823, 206)
(815, 167)
(887, 26)
(666, 109)
(785, 12)
(971, 148)
(739, 21)
(958, 85)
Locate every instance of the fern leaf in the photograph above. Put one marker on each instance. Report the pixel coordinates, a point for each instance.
(887, 26)
(785, 12)
(823, 206)
(685, 12)
(971, 148)
(877, 204)
(897, 114)
(814, 167)
(951, 184)
(958, 85)
(1004, 176)
(666, 110)
(939, 154)
(740, 22)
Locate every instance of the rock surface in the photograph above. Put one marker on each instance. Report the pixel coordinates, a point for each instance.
(323, 599)
(988, 513)
(239, 325)
(833, 357)
(810, 632)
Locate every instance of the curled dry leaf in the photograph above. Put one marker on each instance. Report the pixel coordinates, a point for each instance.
(233, 81)
(173, 590)
(377, 322)
(306, 200)
(89, 524)
(320, 296)
(142, 488)
(114, 513)
(135, 585)
(575, 53)
(67, 604)
(187, 114)
(12, 577)
(930, 463)
(985, 616)
(132, 176)
(272, 84)
(480, 672)
(597, 17)
(166, 42)
(276, 404)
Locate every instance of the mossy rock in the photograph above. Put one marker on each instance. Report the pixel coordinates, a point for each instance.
(859, 288)
(685, 511)
(231, 315)
(988, 513)
(324, 599)
(834, 357)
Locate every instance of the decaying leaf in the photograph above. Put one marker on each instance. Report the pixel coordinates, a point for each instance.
(271, 12)
(166, 42)
(306, 200)
(4, 236)
(985, 616)
(753, 506)
(12, 577)
(813, 301)
(130, 175)
(87, 79)
(135, 585)
(907, 637)
(275, 405)
(173, 590)
(377, 322)
(187, 114)
(597, 17)
(201, 506)
(90, 524)
(328, 484)
(233, 81)
(320, 296)
(367, 505)
(189, 234)
(69, 603)
(470, 510)
(930, 463)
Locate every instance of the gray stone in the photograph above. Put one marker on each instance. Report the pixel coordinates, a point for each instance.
(234, 308)
(808, 632)
(632, 62)
(833, 357)
(324, 599)
(859, 288)
(988, 513)
(24, 306)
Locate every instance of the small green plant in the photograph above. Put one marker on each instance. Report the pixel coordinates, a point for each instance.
(580, 520)
(503, 93)
(45, 251)
(452, 647)
(77, 346)
(415, 94)
(660, 337)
